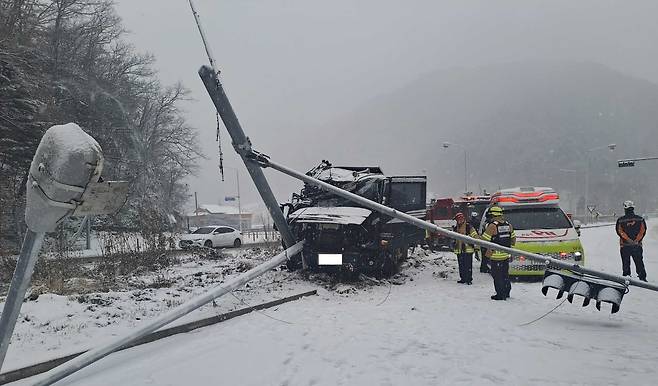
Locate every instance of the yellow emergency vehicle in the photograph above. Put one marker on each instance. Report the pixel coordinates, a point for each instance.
(541, 227)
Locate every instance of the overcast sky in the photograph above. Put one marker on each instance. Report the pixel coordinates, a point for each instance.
(291, 66)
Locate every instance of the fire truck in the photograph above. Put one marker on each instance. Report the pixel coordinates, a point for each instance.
(473, 207)
(442, 212)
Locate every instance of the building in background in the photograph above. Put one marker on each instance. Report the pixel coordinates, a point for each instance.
(209, 214)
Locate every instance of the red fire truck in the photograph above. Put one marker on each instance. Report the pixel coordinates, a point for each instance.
(442, 212)
(473, 207)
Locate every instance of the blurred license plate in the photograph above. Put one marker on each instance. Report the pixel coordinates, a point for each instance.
(330, 259)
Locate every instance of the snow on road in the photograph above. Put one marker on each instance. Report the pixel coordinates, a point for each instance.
(428, 331)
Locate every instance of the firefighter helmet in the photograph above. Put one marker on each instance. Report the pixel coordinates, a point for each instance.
(496, 211)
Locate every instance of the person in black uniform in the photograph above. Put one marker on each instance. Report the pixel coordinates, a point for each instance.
(484, 260)
(499, 232)
(631, 229)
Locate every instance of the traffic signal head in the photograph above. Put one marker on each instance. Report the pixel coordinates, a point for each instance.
(610, 295)
(553, 280)
(588, 287)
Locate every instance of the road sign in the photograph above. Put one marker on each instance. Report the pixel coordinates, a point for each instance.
(626, 163)
(591, 208)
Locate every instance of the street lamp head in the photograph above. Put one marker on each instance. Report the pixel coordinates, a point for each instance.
(612, 146)
(446, 145)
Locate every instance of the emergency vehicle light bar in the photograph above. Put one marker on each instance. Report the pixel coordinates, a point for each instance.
(541, 197)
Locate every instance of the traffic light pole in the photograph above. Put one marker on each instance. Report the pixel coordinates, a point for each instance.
(630, 162)
(264, 161)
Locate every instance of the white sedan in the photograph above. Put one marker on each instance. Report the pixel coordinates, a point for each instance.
(211, 237)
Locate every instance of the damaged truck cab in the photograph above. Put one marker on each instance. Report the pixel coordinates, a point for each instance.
(342, 237)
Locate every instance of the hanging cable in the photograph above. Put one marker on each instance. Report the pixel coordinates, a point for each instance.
(390, 286)
(254, 309)
(211, 59)
(544, 315)
(219, 145)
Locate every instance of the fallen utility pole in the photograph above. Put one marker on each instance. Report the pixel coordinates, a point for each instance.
(92, 356)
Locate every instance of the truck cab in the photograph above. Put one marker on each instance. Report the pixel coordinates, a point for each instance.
(344, 237)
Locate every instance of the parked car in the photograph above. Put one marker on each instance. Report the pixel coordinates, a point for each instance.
(211, 237)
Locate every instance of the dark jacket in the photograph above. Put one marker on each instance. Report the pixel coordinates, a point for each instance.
(502, 233)
(475, 223)
(631, 229)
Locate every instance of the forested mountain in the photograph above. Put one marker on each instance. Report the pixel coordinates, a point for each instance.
(521, 123)
(66, 61)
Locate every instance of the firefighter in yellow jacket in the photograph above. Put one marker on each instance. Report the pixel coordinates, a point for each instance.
(463, 250)
(499, 232)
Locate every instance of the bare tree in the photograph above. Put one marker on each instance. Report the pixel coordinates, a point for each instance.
(65, 60)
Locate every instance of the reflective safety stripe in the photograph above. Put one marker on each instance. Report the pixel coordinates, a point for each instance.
(498, 255)
(467, 248)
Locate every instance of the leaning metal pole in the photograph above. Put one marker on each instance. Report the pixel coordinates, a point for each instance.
(266, 162)
(243, 146)
(241, 143)
(19, 284)
(92, 356)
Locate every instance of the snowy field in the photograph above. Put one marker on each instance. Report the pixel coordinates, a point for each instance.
(428, 331)
(98, 245)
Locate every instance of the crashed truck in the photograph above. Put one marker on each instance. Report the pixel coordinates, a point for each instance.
(344, 237)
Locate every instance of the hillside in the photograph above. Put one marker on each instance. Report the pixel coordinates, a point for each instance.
(521, 123)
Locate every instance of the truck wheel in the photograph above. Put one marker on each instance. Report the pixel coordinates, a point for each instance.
(208, 244)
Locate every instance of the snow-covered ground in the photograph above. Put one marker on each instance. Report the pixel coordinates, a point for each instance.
(54, 325)
(428, 331)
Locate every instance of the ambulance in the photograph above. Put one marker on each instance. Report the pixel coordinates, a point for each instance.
(541, 227)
